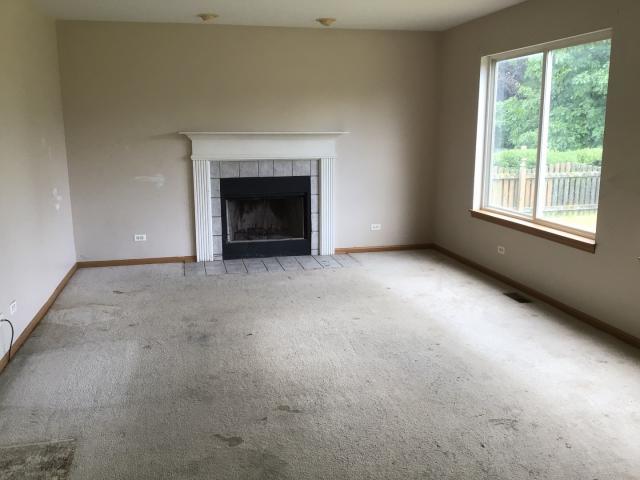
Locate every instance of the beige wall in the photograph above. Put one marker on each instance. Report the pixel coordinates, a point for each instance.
(36, 239)
(128, 88)
(607, 284)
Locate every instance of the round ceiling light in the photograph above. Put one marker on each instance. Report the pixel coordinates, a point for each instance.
(326, 21)
(207, 17)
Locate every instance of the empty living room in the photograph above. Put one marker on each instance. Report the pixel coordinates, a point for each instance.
(318, 240)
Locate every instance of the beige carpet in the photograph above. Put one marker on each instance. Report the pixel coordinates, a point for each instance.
(407, 366)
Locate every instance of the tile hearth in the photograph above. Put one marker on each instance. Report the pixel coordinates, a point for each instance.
(270, 264)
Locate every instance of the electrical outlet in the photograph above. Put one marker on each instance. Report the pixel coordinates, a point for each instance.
(13, 307)
(376, 226)
(140, 237)
(501, 250)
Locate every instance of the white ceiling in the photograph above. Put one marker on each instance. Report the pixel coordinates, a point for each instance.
(373, 14)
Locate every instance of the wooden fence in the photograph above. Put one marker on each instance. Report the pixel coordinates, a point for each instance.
(569, 187)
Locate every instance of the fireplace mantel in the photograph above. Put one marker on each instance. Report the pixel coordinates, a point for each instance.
(262, 145)
(207, 147)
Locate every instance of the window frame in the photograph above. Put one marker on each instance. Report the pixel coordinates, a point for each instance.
(486, 113)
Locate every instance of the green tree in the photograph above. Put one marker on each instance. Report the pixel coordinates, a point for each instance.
(518, 94)
(580, 77)
(579, 96)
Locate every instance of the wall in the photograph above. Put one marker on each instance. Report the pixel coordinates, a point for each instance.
(128, 88)
(36, 233)
(605, 284)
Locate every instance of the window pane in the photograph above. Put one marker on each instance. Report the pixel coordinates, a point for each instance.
(512, 173)
(571, 182)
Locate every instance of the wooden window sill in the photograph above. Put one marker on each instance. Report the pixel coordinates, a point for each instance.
(568, 239)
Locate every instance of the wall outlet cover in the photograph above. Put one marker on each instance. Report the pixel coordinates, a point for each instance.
(501, 250)
(13, 307)
(376, 226)
(140, 237)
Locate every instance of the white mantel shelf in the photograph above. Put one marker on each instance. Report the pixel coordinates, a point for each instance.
(207, 147)
(262, 133)
(261, 145)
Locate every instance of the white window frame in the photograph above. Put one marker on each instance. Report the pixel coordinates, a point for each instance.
(486, 106)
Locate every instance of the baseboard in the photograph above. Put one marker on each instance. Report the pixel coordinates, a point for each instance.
(135, 261)
(594, 322)
(385, 248)
(580, 315)
(18, 342)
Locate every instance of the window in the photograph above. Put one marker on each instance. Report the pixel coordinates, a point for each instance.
(541, 134)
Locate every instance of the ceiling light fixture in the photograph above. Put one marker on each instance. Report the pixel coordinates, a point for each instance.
(326, 21)
(207, 17)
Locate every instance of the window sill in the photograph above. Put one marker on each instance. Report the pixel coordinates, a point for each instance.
(568, 239)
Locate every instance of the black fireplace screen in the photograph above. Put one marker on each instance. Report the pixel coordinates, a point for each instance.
(260, 219)
(263, 217)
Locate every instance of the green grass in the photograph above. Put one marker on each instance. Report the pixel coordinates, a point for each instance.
(582, 221)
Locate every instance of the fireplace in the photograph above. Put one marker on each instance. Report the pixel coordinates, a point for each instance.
(265, 217)
(218, 156)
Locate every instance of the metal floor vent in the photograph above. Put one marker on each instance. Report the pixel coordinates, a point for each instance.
(518, 297)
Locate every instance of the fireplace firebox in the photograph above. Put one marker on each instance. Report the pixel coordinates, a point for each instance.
(265, 216)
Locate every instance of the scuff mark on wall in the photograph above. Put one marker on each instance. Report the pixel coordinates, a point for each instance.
(157, 179)
(57, 198)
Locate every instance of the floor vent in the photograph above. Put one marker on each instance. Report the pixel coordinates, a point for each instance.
(518, 297)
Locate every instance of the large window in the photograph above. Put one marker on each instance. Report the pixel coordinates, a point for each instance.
(541, 142)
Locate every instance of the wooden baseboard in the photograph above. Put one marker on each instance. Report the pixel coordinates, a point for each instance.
(580, 315)
(387, 248)
(135, 261)
(18, 342)
(594, 322)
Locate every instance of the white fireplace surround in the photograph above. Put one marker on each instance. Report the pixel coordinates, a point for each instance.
(207, 147)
